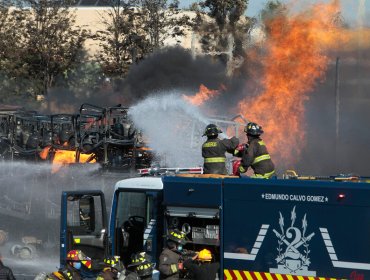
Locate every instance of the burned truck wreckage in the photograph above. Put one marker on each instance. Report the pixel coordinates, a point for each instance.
(32, 144)
(103, 135)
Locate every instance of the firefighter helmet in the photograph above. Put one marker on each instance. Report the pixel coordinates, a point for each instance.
(79, 256)
(114, 262)
(212, 130)
(139, 258)
(145, 269)
(177, 236)
(253, 129)
(205, 255)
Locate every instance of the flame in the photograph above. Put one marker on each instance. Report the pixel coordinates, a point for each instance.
(293, 63)
(45, 152)
(202, 95)
(64, 157)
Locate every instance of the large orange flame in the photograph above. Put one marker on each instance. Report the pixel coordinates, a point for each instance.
(294, 61)
(201, 96)
(64, 157)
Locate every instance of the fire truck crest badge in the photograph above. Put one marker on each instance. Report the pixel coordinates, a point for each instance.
(293, 248)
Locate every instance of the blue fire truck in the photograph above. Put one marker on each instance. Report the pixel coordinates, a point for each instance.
(256, 229)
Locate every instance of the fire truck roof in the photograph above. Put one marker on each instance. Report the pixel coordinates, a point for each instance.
(154, 183)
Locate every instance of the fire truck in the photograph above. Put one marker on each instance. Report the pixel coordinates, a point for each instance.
(287, 228)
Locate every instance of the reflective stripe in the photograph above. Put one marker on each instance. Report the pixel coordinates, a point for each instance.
(261, 143)
(173, 268)
(214, 159)
(241, 169)
(264, 176)
(261, 158)
(209, 144)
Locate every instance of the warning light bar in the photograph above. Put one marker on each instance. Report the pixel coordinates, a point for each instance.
(157, 171)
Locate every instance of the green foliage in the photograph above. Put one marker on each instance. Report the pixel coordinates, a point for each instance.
(123, 41)
(135, 28)
(223, 28)
(53, 45)
(39, 42)
(225, 11)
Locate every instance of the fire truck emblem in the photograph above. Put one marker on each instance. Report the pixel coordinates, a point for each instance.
(293, 248)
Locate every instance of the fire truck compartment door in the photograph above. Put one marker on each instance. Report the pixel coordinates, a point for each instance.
(190, 191)
(203, 213)
(83, 223)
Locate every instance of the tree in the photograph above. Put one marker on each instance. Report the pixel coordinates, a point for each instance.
(162, 20)
(223, 29)
(12, 72)
(123, 41)
(53, 44)
(225, 11)
(135, 28)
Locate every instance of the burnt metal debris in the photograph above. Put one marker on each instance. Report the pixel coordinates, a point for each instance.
(106, 134)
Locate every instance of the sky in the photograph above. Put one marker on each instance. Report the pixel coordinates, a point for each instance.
(349, 8)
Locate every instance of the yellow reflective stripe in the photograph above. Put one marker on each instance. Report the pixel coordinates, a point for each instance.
(210, 144)
(174, 268)
(261, 158)
(176, 235)
(77, 240)
(264, 176)
(241, 169)
(214, 159)
(261, 143)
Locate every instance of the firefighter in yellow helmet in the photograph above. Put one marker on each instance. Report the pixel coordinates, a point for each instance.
(170, 263)
(201, 266)
(214, 149)
(113, 269)
(256, 155)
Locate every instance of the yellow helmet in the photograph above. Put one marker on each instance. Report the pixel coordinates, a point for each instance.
(205, 255)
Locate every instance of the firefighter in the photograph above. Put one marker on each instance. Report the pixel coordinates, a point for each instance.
(113, 270)
(201, 266)
(141, 267)
(170, 263)
(76, 259)
(256, 154)
(5, 272)
(214, 149)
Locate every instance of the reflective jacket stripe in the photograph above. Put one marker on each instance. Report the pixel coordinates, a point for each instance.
(261, 158)
(266, 175)
(214, 159)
